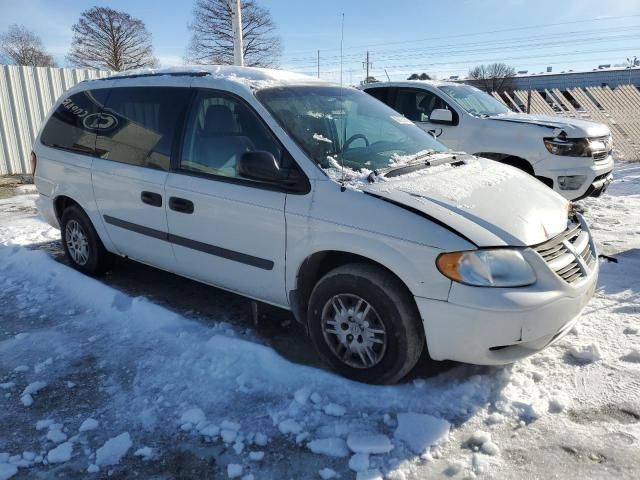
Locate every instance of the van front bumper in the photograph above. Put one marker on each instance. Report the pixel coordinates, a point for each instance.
(493, 326)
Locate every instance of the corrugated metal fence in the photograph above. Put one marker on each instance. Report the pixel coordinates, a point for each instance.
(26, 96)
(619, 108)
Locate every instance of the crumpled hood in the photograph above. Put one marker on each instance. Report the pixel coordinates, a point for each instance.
(489, 203)
(574, 128)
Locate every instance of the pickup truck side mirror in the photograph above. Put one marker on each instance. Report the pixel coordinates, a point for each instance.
(441, 115)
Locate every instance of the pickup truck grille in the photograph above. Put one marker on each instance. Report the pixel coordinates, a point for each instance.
(569, 254)
(600, 156)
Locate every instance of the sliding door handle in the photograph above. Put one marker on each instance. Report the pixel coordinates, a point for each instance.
(151, 198)
(181, 205)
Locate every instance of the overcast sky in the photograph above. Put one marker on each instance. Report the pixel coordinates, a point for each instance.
(440, 37)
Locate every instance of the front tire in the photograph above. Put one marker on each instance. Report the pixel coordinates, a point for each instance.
(83, 248)
(364, 323)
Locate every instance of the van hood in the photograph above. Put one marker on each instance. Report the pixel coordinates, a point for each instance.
(489, 203)
(574, 128)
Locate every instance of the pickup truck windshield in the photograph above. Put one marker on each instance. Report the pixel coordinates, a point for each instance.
(336, 126)
(474, 101)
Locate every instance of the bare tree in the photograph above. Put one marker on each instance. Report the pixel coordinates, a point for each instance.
(419, 76)
(23, 47)
(495, 77)
(109, 39)
(212, 40)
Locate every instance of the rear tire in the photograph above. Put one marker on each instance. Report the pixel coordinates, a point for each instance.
(83, 248)
(365, 324)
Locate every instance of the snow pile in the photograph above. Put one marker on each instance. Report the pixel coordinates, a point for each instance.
(587, 354)
(60, 454)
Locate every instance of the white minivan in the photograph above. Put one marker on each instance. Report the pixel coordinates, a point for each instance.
(572, 156)
(321, 200)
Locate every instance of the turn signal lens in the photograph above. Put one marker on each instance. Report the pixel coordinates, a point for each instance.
(448, 265)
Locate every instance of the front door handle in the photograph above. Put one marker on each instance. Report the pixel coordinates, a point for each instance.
(151, 198)
(181, 205)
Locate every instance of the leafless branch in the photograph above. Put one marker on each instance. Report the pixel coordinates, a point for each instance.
(23, 47)
(495, 77)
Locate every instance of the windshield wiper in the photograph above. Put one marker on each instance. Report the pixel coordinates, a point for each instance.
(416, 165)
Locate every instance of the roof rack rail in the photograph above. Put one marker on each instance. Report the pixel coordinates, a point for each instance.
(157, 74)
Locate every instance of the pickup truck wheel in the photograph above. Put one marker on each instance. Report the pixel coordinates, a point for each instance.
(81, 243)
(364, 323)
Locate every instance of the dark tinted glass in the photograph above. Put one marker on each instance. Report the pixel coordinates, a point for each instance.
(380, 93)
(73, 125)
(139, 125)
(417, 105)
(220, 129)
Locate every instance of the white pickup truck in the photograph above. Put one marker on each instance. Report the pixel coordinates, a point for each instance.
(574, 157)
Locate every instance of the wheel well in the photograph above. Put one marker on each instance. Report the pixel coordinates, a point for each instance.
(315, 267)
(61, 203)
(520, 163)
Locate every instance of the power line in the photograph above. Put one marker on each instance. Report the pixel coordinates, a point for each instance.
(485, 32)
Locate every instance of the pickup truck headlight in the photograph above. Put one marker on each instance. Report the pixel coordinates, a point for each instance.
(574, 147)
(497, 267)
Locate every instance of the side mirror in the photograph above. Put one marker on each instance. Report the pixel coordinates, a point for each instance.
(259, 165)
(441, 115)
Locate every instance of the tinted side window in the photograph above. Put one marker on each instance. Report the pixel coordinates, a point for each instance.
(73, 125)
(417, 105)
(381, 93)
(139, 125)
(219, 130)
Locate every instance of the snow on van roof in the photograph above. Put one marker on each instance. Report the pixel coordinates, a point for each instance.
(252, 77)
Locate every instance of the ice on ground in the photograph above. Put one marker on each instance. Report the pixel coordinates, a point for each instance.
(88, 424)
(193, 416)
(369, 443)
(334, 410)
(60, 454)
(93, 468)
(256, 456)
(7, 385)
(420, 431)
(489, 448)
(45, 423)
(359, 462)
(289, 426)
(633, 356)
(558, 403)
(302, 395)
(113, 450)
(234, 470)
(56, 435)
(332, 447)
(145, 452)
(479, 437)
(369, 475)
(588, 353)
(7, 471)
(327, 474)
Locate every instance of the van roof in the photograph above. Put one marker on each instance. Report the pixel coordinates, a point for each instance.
(251, 77)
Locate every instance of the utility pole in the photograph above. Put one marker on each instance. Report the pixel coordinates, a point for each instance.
(366, 65)
(318, 63)
(238, 49)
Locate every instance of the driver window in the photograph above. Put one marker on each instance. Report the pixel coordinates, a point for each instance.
(219, 130)
(417, 105)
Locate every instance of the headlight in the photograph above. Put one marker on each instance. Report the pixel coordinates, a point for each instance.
(498, 267)
(574, 147)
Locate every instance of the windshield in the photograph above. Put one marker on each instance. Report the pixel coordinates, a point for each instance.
(474, 101)
(342, 126)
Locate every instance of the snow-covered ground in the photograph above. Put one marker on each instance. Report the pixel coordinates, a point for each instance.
(97, 381)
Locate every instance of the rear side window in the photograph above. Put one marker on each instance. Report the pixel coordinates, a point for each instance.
(381, 93)
(73, 125)
(140, 125)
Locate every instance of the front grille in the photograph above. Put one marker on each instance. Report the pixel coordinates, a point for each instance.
(599, 156)
(569, 254)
